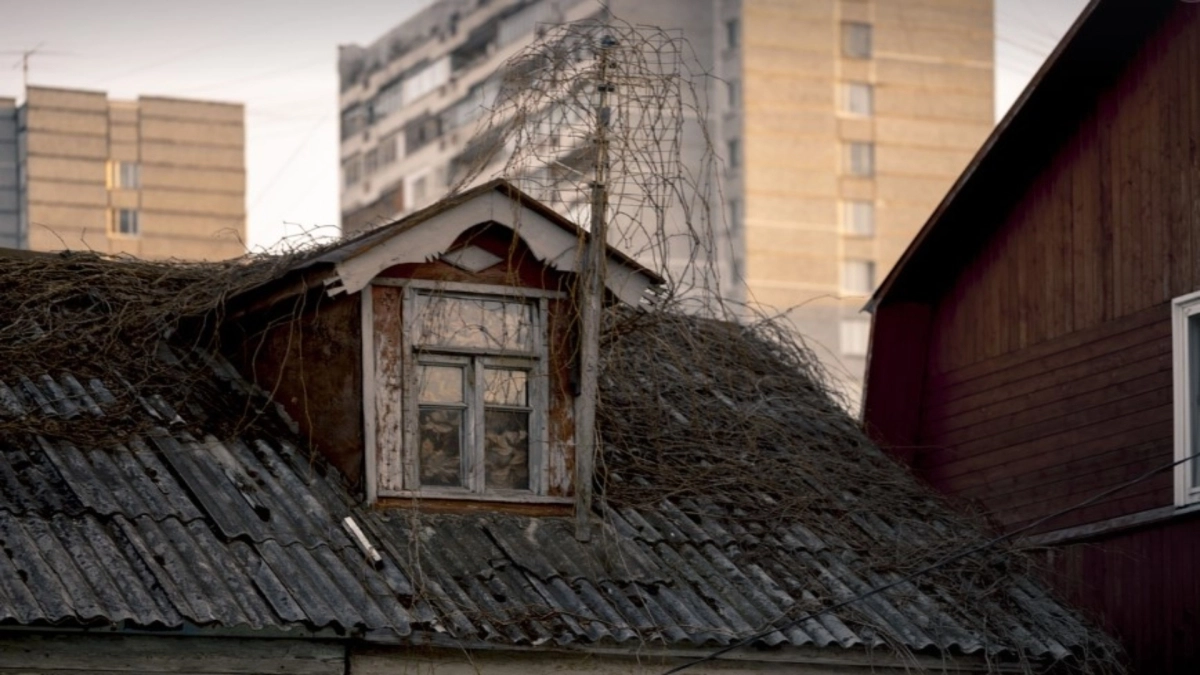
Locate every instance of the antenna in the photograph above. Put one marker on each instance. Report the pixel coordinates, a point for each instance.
(26, 55)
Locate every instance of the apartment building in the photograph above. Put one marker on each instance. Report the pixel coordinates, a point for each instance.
(154, 178)
(841, 123)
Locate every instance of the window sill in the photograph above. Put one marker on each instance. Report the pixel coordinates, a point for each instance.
(513, 497)
(531, 505)
(1080, 533)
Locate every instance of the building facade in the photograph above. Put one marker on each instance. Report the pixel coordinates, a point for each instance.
(840, 124)
(155, 177)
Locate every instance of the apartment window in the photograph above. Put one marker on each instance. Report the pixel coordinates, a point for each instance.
(860, 158)
(418, 191)
(478, 395)
(125, 223)
(734, 147)
(388, 150)
(855, 336)
(733, 34)
(372, 161)
(733, 89)
(352, 171)
(858, 218)
(1185, 317)
(354, 120)
(858, 98)
(856, 40)
(124, 175)
(858, 277)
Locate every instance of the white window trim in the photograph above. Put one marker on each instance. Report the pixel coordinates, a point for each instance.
(1187, 385)
(539, 395)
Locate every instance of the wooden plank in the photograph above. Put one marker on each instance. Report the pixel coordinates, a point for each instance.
(1128, 348)
(1009, 366)
(77, 653)
(1055, 403)
(388, 387)
(895, 375)
(1143, 415)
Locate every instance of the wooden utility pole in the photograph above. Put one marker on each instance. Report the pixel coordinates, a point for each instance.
(590, 300)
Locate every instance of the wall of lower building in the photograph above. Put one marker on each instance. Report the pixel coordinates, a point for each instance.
(10, 194)
(44, 653)
(190, 159)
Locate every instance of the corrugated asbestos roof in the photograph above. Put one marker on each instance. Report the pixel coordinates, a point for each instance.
(168, 529)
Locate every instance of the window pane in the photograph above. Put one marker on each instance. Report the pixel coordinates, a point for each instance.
(856, 40)
(855, 336)
(858, 276)
(857, 98)
(506, 449)
(440, 384)
(475, 322)
(859, 218)
(504, 387)
(441, 447)
(861, 158)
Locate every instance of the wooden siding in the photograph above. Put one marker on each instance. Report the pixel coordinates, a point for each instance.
(1048, 376)
(1141, 586)
(306, 354)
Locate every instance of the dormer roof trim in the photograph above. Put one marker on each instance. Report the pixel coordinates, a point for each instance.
(428, 234)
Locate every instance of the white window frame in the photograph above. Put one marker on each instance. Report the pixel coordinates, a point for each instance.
(535, 362)
(1185, 335)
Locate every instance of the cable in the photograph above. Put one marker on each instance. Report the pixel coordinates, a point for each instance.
(927, 569)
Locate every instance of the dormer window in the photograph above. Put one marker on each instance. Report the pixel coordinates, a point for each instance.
(477, 395)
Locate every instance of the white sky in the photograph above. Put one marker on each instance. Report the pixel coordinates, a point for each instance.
(279, 57)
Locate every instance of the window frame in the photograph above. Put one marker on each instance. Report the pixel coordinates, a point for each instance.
(117, 175)
(733, 33)
(1185, 339)
(872, 271)
(867, 91)
(475, 360)
(851, 208)
(849, 328)
(114, 224)
(868, 157)
(866, 32)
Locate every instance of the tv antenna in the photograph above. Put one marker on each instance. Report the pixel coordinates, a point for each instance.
(27, 54)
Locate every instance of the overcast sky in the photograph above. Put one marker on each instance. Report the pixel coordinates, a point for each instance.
(279, 58)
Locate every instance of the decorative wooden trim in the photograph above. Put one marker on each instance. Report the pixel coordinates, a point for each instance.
(509, 292)
(367, 340)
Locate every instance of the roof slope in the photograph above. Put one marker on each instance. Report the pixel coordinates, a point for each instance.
(126, 499)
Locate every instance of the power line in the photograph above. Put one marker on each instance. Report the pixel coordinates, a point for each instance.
(928, 568)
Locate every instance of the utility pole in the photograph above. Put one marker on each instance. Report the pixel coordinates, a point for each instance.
(589, 299)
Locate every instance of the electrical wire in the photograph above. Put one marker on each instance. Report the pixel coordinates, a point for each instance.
(928, 568)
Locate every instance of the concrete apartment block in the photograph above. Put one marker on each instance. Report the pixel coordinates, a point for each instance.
(155, 177)
(841, 123)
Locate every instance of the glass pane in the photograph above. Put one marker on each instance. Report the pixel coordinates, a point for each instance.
(475, 322)
(440, 384)
(441, 447)
(506, 449)
(504, 387)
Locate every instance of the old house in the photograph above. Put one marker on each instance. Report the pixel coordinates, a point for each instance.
(1035, 352)
(365, 459)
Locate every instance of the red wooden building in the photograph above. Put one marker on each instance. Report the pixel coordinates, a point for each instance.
(1036, 345)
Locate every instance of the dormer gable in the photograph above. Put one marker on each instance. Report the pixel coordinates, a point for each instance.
(436, 358)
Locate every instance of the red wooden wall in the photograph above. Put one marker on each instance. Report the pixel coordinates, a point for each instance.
(1048, 370)
(1047, 361)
